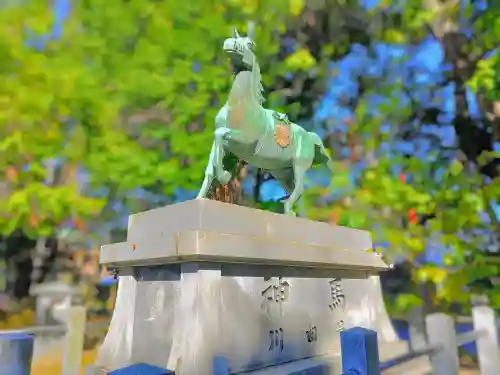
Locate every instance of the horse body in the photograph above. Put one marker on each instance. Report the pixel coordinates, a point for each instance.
(261, 137)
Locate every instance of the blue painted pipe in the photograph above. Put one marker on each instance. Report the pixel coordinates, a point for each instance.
(16, 353)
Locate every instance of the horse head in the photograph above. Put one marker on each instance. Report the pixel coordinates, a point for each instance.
(241, 50)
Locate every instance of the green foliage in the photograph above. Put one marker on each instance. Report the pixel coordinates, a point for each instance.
(272, 206)
(128, 94)
(452, 198)
(300, 60)
(390, 207)
(405, 302)
(485, 77)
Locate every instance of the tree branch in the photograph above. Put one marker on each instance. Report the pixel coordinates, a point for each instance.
(146, 115)
(476, 16)
(442, 22)
(431, 31)
(485, 54)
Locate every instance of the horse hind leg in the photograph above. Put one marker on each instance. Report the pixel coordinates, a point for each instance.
(285, 178)
(324, 155)
(299, 170)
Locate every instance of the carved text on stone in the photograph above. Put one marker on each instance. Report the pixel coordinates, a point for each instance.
(339, 326)
(312, 334)
(337, 294)
(276, 291)
(276, 340)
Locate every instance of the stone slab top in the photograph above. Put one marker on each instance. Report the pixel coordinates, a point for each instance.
(205, 230)
(213, 216)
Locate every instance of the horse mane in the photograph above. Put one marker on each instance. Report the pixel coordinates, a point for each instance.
(258, 89)
(252, 79)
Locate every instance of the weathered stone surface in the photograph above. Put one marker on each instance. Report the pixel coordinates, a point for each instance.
(205, 278)
(204, 230)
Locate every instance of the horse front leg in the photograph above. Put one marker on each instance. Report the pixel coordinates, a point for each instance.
(209, 175)
(221, 135)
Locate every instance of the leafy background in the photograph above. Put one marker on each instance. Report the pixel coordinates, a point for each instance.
(107, 108)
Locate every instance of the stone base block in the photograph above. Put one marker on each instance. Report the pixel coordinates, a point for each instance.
(203, 279)
(181, 316)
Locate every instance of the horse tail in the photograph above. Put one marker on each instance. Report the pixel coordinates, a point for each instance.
(321, 155)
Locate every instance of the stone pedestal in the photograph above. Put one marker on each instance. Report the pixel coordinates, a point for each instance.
(205, 278)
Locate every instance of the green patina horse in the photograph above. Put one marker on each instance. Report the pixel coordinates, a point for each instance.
(261, 137)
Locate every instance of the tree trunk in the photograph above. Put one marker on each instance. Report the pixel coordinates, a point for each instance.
(17, 252)
(232, 192)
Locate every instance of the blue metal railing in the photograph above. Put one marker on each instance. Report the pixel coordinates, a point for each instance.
(16, 353)
(359, 356)
(359, 352)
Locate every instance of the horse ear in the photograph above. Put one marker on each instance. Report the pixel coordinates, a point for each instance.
(235, 33)
(251, 28)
